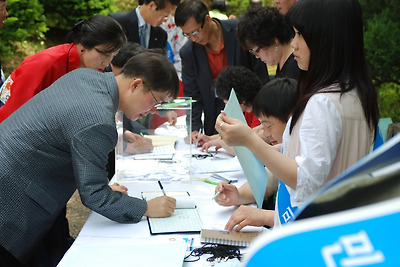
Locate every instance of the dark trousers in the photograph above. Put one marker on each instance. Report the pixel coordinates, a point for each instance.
(49, 252)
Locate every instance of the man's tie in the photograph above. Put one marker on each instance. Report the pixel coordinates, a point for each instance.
(143, 35)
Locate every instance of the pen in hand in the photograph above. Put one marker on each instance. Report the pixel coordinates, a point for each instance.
(198, 135)
(162, 188)
(219, 192)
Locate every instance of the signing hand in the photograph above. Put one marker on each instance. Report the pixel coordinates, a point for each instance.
(137, 144)
(172, 117)
(229, 195)
(215, 142)
(160, 207)
(192, 136)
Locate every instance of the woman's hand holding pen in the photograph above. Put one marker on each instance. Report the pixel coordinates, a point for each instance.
(160, 207)
(229, 195)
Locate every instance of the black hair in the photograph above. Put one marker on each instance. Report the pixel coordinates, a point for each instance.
(98, 30)
(245, 83)
(161, 3)
(261, 26)
(190, 8)
(220, 5)
(156, 71)
(277, 98)
(333, 31)
(127, 51)
(254, 5)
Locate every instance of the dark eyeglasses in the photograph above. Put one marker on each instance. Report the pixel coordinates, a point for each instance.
(255, 52)
(195, 33)
(157, 103)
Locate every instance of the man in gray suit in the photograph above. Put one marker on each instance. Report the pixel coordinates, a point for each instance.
(148, 17)
(59, 142)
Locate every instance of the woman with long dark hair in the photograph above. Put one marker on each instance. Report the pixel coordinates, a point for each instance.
(335, 119)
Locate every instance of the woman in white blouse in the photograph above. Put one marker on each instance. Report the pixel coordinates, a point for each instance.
(335, 119)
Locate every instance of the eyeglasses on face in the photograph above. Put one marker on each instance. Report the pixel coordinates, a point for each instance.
(196, 32)
(255, 52)
(156, 102)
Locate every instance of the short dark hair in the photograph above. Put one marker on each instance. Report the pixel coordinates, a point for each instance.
(127, 51)
(261, 26)
(245, 83)
(161, 3)
(277, 99)
(190, 8)
(155, 70)
(98, 30)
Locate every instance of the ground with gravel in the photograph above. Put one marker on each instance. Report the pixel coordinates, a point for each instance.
(77, 214)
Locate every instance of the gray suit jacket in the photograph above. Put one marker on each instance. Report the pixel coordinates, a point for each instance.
(54, 144)
(129, 23)
(197, 80)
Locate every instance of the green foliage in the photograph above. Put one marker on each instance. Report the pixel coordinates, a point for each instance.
(388, 101)
(382, 37)
(64, 14)
(237, 7)
(124, 5)
(25, 22)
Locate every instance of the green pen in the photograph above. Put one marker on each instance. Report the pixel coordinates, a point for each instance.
(174, 104)
(210, 182)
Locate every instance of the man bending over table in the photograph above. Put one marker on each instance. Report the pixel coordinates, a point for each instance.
(59, 142)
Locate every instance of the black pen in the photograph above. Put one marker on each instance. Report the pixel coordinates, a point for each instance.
(162, 188)
(219, 192)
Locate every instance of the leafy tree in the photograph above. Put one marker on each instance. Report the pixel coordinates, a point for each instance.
(125, 5)
(64, 14)
(388, 101)
(382, 36)
(26, 22)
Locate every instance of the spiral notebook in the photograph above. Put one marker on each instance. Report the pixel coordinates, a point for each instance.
(238, 239)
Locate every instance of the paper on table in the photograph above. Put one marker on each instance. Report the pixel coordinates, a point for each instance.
(212, 165)
(185, 219)
(149, 254)
(162, 140)
(183, 199)
(252, 167)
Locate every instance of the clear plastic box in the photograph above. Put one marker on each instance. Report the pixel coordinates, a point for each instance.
(171, 158)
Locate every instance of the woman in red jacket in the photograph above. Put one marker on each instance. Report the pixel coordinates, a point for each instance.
(92, 44)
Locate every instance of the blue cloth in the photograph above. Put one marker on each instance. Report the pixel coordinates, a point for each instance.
(379, 139)
(285, 209)
(143, 35)
(170, 53)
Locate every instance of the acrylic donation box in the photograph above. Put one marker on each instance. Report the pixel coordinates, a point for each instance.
(153, 147)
